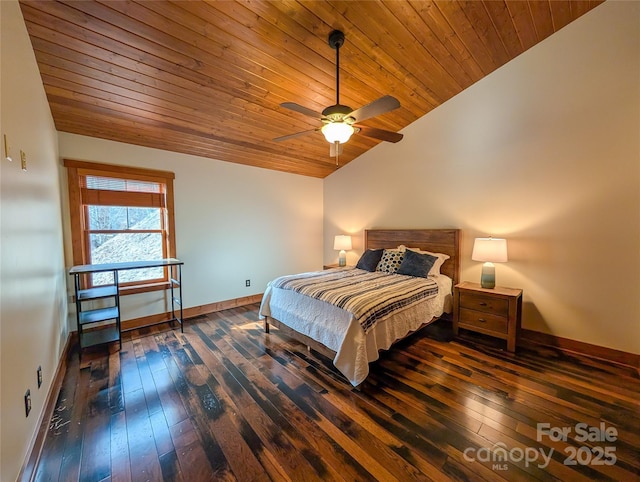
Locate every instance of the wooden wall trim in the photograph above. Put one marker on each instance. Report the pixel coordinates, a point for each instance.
(28, 471)
(191, 312)
(566, 344)
(526, 336)
(99, 166)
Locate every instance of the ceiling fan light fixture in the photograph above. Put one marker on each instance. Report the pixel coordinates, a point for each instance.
(338, 120)
(337, 132)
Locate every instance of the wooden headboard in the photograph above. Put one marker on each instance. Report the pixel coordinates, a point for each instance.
(446, 241)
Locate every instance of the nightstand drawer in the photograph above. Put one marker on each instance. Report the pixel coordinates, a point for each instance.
(486, 321)
(479, 302)
(495, 312)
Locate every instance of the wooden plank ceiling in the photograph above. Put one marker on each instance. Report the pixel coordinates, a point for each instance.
(207, 78)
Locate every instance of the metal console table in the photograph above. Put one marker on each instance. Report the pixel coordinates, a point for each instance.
(109, 317)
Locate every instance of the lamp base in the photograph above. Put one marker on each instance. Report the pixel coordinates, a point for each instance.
(342, 258)
(488, 277)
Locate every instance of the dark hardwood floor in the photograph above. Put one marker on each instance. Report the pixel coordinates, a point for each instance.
(225, 401)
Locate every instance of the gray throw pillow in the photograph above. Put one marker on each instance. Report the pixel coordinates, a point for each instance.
(369, 259)
(416, 264)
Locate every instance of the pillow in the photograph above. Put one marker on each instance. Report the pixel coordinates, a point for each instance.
(435, 270)
(416, 264)
(390, 261)
(370, 259)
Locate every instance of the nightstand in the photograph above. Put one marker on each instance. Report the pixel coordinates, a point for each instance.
(333, 265)
(495, 312)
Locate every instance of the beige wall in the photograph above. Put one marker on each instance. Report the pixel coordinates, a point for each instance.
(233, 222)
(32, 274)
(545, 152)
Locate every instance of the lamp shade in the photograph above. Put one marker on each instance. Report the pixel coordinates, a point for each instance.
(493, 250)
(342, 242)
(337, 132)
(489, 250)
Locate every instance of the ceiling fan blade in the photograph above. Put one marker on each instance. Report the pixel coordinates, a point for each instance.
(297, 134)
(379, 133)
(332, 150)
(377, 107)
(301, 109)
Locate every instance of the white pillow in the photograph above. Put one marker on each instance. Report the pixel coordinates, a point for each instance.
(435, 269)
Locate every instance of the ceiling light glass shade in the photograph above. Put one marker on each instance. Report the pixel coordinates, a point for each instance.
(337, 132)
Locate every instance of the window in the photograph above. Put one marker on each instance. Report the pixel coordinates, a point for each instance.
(121, 214)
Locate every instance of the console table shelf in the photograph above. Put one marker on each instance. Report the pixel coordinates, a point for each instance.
(98, 315)
(102, 325)
(97, 293)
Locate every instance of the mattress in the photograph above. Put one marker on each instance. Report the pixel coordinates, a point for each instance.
(339, 330)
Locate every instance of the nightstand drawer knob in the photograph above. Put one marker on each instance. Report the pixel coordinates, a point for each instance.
(482, 303)
(482, 320)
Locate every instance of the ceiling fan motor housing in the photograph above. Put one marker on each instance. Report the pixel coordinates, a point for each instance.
(338, 113)
(336, 39)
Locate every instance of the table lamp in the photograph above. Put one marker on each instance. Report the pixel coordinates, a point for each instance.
(343, 243)
(489, 250)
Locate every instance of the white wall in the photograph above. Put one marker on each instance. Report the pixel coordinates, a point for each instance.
(32, 275)
(545, 152)
(233, 222)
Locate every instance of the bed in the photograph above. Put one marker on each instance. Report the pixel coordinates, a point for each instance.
(341, 334)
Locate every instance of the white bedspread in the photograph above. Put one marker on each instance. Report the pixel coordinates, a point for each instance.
(340, 331)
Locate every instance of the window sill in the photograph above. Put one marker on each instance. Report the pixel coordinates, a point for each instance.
(132, 290)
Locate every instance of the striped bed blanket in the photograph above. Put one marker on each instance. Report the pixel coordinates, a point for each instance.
(369, 296)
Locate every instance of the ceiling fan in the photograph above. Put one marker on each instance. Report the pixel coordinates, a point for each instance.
(339, 122)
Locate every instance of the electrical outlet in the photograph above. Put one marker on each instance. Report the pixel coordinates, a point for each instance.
(39, 377)
(27, 403)
(247, 283)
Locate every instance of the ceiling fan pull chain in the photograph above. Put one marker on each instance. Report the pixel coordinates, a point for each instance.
(337, 152)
